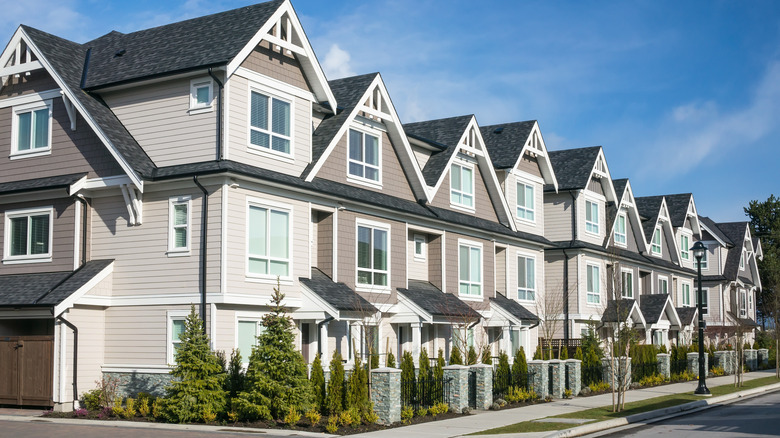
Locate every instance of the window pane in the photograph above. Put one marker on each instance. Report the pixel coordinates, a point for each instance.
(531, 272)
(278, 268)
(589, 211)
(280, 234)
(355, 145)
(590, 279)
(280, 145)
(247, 338)
(380, 279)
(372, 150)
(455, 177)
(281, 117)
(372, 174)
(259, 111)
(468, 200)
(468, 181)
(521, 274)
(180, 237)
(364, 277)
(355, 169)
(202, 95)
(476, 289)
(180, 214)
(39, 235)
(19, 236)
(24, 126)
(529, 197)
(380, 250)
(258, 266)
(476, 265)
(257, 231)
(464, 263)
(259, 139)
(364, 247)
(41, 135)
(178, 329)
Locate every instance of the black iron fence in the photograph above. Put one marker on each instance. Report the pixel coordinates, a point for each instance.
(592, 374)
(641, 370)
(678, 366)
(424, 393)
(502, 383)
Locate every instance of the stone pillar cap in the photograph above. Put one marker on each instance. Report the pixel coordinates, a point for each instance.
(573, 360)
(481, 365)
(386, 370)
(456, 367)
(536, 361)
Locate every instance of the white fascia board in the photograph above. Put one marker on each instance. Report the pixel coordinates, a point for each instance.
(413, 308)
(714, 236)
(504, 315)
(611, 195)
(76, 296)
(485, 162)
(66, 91)
(547, 170)
(77, 186)
(318, 303)
(446, 171)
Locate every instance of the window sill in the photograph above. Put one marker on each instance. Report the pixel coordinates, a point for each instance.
(257, 150)
(19, 261)
(178, 253)
(364, 182)
(656, 254)
(29, 154)
(419, 258)
(596, 234)
(370, 288)
(471, 297)
(287, 281)
(524, 221)
(200, 110)
(463, 208)
(620, 244)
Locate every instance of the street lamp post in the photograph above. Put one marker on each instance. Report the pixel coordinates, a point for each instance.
(698, 252)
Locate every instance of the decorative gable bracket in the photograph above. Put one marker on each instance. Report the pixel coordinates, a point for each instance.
(18, 61)
(70, 109)
(284, 36)
(134, 203)
(374, 107)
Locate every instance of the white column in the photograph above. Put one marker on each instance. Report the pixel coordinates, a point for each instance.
(435, 352)
(648, 336)
(507, 341)
(416, 341)
(324, 343)
(665, 337)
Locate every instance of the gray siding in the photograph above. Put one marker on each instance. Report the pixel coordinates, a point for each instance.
(276, 65)
(38, 81)
(418, 269)
(483, 204)
(324, 241)
(558, 216)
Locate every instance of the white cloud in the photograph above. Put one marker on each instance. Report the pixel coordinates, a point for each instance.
(58, 17)
(337, 63)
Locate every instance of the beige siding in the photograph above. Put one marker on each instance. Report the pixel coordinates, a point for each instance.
(422, 155)
(418, 267)
(537, 225)
(37, 82)
(483, 204)
(452, 257)
(500, 262)
(137, 335)
(435, 266)
(238, 130)
(91, 324)
(142, 264)
(594, 185)
(159, 119)
(582, 234)
(591, 309)
(276, 64)
(529, 164)
(554, 279)
(558, 216)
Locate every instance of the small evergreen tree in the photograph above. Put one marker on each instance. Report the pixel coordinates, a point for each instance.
(455, 356)
(487, 358)
(390, 362)
(374, 361)
(335, 398)
(318, 383)
(276, 379)
(520, 368)
(425, 364)
(578, 353)
(357, 388)
(234, 383)
(538, 352)
(407, 377)
(564, 353)
(424, 374)
(472, 358)
(197, 377)
(503, 373)
(438, 376)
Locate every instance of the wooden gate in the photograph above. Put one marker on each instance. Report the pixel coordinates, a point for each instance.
(26, 370)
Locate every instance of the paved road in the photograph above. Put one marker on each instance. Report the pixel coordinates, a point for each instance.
(755, 417)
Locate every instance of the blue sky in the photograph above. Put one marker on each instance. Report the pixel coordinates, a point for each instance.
(684, 96)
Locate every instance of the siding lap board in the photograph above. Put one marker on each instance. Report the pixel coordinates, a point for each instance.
(483, 203)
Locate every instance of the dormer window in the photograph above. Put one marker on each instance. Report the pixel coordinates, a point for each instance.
(525, 202)
(655, 245)
(462, 186)
(591, 217)
(32, 129)
(685, 244)
(620, 230)
(201, 95)
(270, 120)
(364, 156)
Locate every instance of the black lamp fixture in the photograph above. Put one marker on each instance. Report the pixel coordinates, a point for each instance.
(698, 250)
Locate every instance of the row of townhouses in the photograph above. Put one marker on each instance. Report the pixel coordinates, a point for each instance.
(209, 161)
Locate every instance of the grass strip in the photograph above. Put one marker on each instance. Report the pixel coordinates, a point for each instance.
(605, 412)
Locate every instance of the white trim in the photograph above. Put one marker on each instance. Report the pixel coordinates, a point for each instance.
(687, 250)
(28, 257)
(423, 246)
(362, 180)
(588, 266)
(372, 225)
(525, 255)
(170, 316)
(75, 297)
(275, 84)
(108, 181)
(597, 223)
(30, 108)
(521, 182)
(34, 98)
(200, 108)
(615, 234)
(463, 164)
(691, 299)
(269, 206)
(133, 368)
(472, 245)
(657, 287)
(173, 201)
(658, 230)
(630, 272)
(271, 94)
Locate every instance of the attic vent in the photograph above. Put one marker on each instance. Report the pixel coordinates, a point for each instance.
(119, 53)
(498, 130)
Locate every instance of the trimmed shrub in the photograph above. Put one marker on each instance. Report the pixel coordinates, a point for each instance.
(390, 362)
(455, 357)
(472, 358)
(357, 389)
(318, 383)
(334, 402)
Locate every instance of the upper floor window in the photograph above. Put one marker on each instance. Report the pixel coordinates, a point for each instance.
(28, 235)
(525, 201)
(268, 253)
(704, 262)
(470, 269)
(685, 244)
(627, 284)
(372, 255)
(593, 286)
(742, 303)
(655, 245)
(526, 278)
(419, 247)
(591, 217)
(364, 156)
(663, 285)
(32, 128)
(705, 301)
(270, 123)
(179, 224)
(462, 186)
(201, 95)
(742, 261)
(620, 230)
(685, 289)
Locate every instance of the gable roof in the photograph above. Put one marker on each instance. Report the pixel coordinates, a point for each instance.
(619, 311)
(677, 206)
(442, 133)
(620, 186)
(437, 303)
(573, 167)
(506, 141)
(713, 229)
(654, 306)
(736, 232)
(687, 315)
(514, 308)
(202, 42)
(649, 208)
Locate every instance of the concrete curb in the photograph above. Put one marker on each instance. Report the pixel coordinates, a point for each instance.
(670, 411)
(166, 426)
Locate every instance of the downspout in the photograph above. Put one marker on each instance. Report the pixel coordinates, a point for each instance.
(219, 113)
(566, 298)
(80, 198)
(319, 333)
(204, 222)
(75, 357)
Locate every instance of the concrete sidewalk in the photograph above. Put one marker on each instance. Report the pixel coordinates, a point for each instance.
(484, 420)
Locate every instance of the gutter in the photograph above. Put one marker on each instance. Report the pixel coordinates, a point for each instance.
(319, 328)
(204, 222)
(219, 113)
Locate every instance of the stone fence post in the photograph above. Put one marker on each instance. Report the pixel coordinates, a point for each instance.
(763, 358)
(623, 365)
(693, 363)
(723, 360)
(386, 394)
(558, 377)
(664, 364)
(574, 376)
(540, 380)
(751, 359)
(484, 384)
(458, 395)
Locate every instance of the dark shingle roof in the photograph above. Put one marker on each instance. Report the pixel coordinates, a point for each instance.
(505, 142)
(573, 167)
(620, 186)
(624, 254)
(712, 226)
(67, 60)
(649, 207)
(678, 207)
(338, 295)
(47, 289)
(652, 307)
(514, 308)
(686, 315)
(735, 231)
(437, 303)
(201, 42)
(443, 133)
(624, 305)
(48, 183)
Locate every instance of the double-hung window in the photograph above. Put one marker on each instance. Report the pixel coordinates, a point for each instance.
(620, 230)
(686, 294)
(742, 303)
(364, 156)
(591, 217)
(685, 243)
(270, 120)
(28, 234)
(470, 269)
(179, 220)
(663, 285)
(627, 284)
(525, 201)
(593, 284)
(32, 128)
(373, 255)
(655, 245)
(742, 261)
(526, 278)
(176, 328)
(269, 241)
(462, 186)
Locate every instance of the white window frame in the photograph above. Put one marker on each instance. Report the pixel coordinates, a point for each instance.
(481, 283)
(461, 165)
(593, 297)
(685, 253)
(422, 255)
(704, 260)
(173, 201)
(525, 288)
(683, 286)
(254, 317)
(623, 241)
(658, 284)
(660, 247)
(27, 258)
(280, 207)
(592, 227)
(173, 315)
(30, 108)
(195, 106)
(366, 287)
(623, 274)
(271, 94)
(524, 209)
(742, 303)
(705, 308)
(361, 179)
